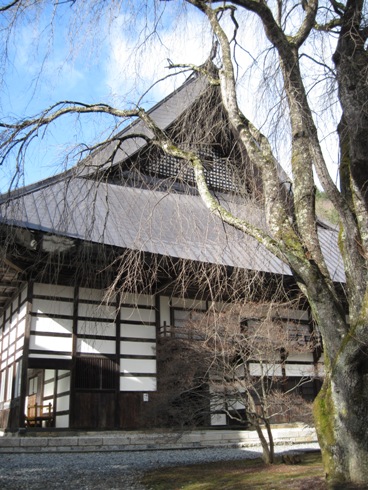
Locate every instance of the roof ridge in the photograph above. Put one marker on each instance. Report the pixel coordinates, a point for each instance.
(131, 146)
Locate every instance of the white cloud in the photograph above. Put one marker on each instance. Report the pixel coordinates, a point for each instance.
(132, 68)
(42, 66)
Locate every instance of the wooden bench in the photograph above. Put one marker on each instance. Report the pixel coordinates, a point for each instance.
(36, 414)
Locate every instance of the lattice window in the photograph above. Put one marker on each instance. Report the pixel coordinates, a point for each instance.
(95, 373)
(218, 172)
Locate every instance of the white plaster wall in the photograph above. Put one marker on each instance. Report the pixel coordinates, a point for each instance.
(266, 370)
(13, 322)
(52, 325)
(2, 385)
(138, 299)
(130, 383)
(296, 370)
(15, 304)
(6, 340)
(12, 338)
(23, 310)
(11, 349)
(218, 419)
(11, 359)
(52, 307)
(21, 328)
(138, 331)
(6, 326)
(88, 294)
(99, 311)
(137, 314)
(49, 343)
(61, 372)
(237, 405)
(53, 290)
(166, 303)
(146, 346)
(97, 327)
(62, 421)
(138, 348)
(144, 366)
(96, 346)
(23, 295)
(18, 378)
(10, 382)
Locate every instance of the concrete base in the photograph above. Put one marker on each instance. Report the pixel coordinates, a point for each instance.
(151, 440)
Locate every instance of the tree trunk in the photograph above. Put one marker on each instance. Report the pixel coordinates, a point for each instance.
(267, 446)
(341, 415)
(271, 445)
(341, 409)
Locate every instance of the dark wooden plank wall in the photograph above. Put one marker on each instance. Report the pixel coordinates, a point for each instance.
(94, 410)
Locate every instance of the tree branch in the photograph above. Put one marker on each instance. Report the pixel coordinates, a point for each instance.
(202, 69)
(4, 8)
(307, 25)
(20, 133)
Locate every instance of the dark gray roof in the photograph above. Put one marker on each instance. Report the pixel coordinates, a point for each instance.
(164, 114)
(171, 224)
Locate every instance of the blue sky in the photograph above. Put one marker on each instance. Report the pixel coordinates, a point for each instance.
(106, 61)
(105, 65)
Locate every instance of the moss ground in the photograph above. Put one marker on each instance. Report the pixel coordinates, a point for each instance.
(238, 475)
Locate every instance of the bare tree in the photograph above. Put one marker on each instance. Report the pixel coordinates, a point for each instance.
(218, 364)
(341, 408)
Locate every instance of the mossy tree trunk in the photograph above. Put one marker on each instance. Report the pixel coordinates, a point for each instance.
(341, 411)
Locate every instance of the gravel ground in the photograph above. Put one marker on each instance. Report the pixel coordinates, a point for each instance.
(108, 471)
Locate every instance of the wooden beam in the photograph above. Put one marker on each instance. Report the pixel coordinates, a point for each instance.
(12, 265)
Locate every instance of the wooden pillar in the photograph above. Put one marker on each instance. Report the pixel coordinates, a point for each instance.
(74, 350)
(27, 335)
(117, 361)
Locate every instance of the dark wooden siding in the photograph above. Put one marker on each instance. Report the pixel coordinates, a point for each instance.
(94, 410)
(134, 412)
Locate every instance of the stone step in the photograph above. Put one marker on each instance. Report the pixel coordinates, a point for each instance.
(139, 441)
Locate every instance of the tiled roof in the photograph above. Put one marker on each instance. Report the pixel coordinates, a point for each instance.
(171, 224)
